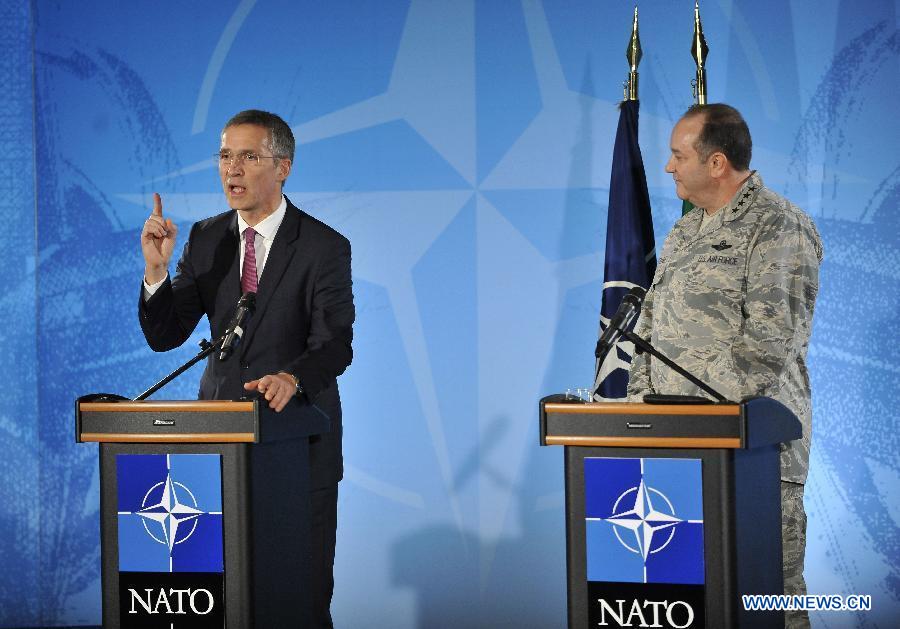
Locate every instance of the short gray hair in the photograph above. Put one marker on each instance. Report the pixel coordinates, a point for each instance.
(724, 130)
(281, 137)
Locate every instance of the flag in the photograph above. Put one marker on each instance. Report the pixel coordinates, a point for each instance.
(630, 247)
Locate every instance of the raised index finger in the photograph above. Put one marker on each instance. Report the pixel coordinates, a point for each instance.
(157, 204)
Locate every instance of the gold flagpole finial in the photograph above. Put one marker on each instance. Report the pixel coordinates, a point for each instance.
(699, 50)
(633, 54)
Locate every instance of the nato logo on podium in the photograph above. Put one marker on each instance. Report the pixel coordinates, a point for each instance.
(170, 539)
(644, 540)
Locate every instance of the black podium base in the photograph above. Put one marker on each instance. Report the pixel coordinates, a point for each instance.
(741, 541)
(265, 533)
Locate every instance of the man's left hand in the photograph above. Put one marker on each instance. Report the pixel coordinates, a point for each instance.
(277, 388)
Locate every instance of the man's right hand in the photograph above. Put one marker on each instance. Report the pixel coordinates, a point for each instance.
(157, 243)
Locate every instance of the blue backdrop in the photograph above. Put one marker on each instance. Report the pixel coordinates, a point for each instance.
(464, 147)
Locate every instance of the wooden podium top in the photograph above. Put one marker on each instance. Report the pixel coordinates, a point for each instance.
(633, 408)
(195, 421)
(752, 423)
(169, 406)
(188, 421)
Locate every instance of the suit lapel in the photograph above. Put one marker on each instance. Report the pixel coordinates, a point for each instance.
(227, 258)
(277, 262)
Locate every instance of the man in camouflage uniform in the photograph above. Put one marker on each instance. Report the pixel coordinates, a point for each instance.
(733, 295)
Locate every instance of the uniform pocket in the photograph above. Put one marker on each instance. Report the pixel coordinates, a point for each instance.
(707, 295)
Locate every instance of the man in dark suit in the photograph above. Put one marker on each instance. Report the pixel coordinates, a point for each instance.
(299, 338)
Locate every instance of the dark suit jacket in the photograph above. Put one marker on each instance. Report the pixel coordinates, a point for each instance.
(302, 324)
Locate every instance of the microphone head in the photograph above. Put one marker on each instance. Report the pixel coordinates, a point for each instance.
(235, 332)
(248, 301)
(635, 296)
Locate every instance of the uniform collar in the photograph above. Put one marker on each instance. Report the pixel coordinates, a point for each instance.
(733, 210)
(743, 198)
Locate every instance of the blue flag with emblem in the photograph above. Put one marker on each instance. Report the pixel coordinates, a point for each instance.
(630, 247)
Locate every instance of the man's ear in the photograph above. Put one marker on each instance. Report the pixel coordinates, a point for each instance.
(284, 169)
(718, 164)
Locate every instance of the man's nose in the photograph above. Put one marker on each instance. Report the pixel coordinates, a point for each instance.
(670, 167)
(236, 167)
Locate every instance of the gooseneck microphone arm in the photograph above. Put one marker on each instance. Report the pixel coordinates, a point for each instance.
(206, 348)
(227, 343)
(643, 346)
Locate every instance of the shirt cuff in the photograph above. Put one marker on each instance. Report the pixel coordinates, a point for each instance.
(149, 289)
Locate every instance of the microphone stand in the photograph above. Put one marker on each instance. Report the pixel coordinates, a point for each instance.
(643, 346)
(206, 348)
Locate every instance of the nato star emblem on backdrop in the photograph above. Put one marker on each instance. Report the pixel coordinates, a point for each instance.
(169, 512)
(644, 520)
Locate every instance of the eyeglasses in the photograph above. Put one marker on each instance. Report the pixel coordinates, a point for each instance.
(226, 158)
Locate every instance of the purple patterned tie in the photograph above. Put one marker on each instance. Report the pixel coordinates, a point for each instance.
(248, 273)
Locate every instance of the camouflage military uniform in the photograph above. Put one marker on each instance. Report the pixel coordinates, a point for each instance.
(733, 305)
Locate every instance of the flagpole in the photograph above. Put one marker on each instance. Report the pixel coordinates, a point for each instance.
(633, 53)
(699, 51)
(630, 247)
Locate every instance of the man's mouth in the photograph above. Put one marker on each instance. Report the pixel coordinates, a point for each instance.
(237, 189)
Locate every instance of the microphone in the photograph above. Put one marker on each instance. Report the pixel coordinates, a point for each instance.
(235, 330)
(627, 312)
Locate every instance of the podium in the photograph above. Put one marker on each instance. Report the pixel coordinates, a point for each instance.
(204, 514)
(673, 511)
